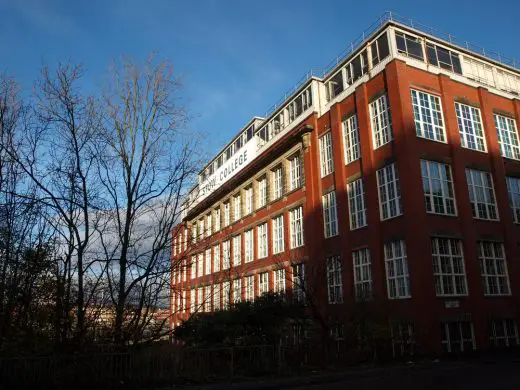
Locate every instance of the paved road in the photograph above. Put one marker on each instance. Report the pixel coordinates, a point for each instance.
(504, 375)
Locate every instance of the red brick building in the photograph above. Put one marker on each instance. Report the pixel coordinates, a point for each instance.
(396, 174)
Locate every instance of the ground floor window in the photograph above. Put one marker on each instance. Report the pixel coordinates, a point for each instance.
(458, 336)
(403, 340)
(503, 333)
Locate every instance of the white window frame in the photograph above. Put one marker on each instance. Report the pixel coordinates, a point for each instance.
(330, 214)
(200, 264)
(438, 189)
(278, 234)
(279, 281)
(217, 301)
(209, 225)
(237, 213)
(249, 197)
(428, 116)
(296, 225)
(482, 194)
(226, 290)
(200, 298)
(351, 139)
(216, 258)
(237, 290)
(513, 190)
(334, 280)
(277, 175)
(452, 281)
(326, 155)
(208, 261)
(194, 267)
(507, 133)
(299, 283)
(448, 341)
(193, 303)
(381, 122)
(389, 192)
(471, 129)
(263, 283)
(295, 172)
(226, 250)
(356, 204)
(508, 336)
(262, 192)
(250, 288)
(237, 250)
(227, 213)
(493, 267)
(249, 245)
(207, 299)
(362, 274)
(396, 266)
(217, 219)
(262, 240)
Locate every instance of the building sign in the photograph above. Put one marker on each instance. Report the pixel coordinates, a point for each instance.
(228, 170)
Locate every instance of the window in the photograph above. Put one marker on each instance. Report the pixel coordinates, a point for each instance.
(279, 281)
(262, 240)
(448, 267)
(237, 290)
(263, 283)
(298, 282)
(209, 225)
(494, 268)
(457, 336)
(227, 214)
(334, 280)
(362, 274)
(200, 265)
(237, 250)
(185, 238)
(295, 176)
(193, 304)
(207, 299)
(503, 333)
(201, 229)
(329, 214)
(277, 183)
(226, 292)
(397, 277)
(381, 122)
(513, 189)
(470, 127)
(335, 86)
(238, 208)
(249, 246)
(208, 262)
(249, 200)
(389, 192)
(250, 288)
(403, 340)
(200, 298)
(507, 136)
(278, 240)
(356, 204)
(193, 232)
(351, 139)
(479, 71)
(217, 219)
(226, 248)
(217, 302)
(216, 258)
(357, 67)
(427, 111)
(193, 267)
(409, 45)
(326, 161)
(262, 192)
(380, 49)
(296, 221)
(481, 194)
(438, 188)
(443, 58)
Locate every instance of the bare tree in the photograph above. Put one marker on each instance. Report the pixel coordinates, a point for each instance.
(148, 162)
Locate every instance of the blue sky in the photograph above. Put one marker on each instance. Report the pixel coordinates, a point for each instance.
(236, 58)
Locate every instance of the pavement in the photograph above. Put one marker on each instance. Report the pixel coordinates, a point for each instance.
(490, 374)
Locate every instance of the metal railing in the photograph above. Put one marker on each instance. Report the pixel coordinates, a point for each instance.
(367, 34)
